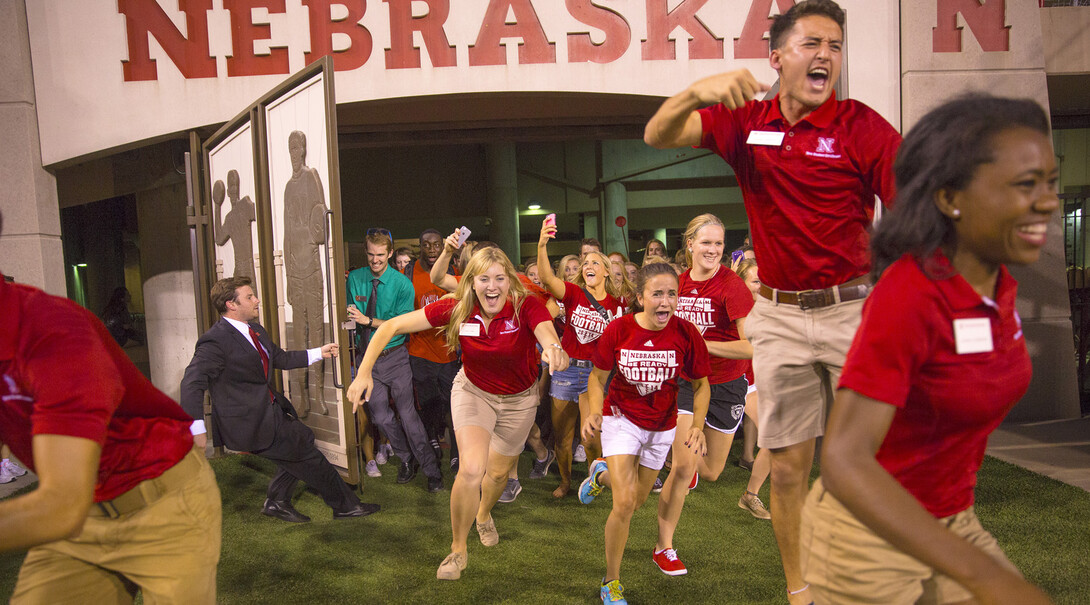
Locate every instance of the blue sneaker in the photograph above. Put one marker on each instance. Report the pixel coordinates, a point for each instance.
(590, 488)
(613, 592)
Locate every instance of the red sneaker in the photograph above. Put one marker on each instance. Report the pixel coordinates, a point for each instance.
(696, 479)
(668, 562)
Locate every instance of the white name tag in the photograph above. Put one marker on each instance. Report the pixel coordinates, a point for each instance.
(764, 137)
(973, 335)
(471, 330)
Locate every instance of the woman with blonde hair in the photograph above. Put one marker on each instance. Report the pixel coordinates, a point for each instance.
(495, 394)
(590, 301)
(760, 465)
(716, 301)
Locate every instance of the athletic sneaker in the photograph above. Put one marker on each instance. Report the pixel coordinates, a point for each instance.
(511, 491)
(372, 469)
(451, 568)
(580, 454)
(696, 479)
(5, 475)
(613, 593)
(488, 533)
(590, 488)
(541, 467)
(381, 457)
(454, 465)
(13, 468)
(657, 487)
(749, 501)
(668, 562)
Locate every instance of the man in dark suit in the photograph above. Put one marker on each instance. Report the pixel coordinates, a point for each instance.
(233, 361)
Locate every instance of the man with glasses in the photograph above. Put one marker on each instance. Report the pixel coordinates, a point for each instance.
(434, 365)
(377, 293)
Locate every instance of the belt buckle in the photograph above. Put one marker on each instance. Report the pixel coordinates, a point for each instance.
(107, 507)
(810, 299)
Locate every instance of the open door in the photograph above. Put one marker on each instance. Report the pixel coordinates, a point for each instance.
(272, 176)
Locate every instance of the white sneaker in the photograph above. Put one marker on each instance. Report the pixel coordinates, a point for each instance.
(380, 456)
(580, 454)
(5, 475)
(372, 469)
(12, 468)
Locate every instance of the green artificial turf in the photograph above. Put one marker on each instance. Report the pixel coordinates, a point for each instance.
(551, 551)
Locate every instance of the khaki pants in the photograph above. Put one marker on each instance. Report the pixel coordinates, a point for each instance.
(845, 562)
(167, 550)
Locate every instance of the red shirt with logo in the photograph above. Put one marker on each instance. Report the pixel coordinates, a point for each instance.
(644, 389)
(503, 358)
(713, 305)
(906, 354)
(61, 373)
(585, 324)
(429, 344)
(809, 197)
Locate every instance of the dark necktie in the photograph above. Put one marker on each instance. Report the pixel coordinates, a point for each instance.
(370, 312)
(260, 351)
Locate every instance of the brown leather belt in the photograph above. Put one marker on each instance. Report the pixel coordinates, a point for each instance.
(150, 490)
(389, 350)
(855, 289)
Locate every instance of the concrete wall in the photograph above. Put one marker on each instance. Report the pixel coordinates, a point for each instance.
(30, 244)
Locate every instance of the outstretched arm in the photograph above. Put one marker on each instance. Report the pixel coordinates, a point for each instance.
(552, 283)
(857, 426)
(438, 273)
(360, 389)
(676, 123)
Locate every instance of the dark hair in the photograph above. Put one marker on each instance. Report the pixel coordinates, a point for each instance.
(590, 241)
(642, 277)
(942, 152)
(427, 231)
(226, 289)
(783, 23)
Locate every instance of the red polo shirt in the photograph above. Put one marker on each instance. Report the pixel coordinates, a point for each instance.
(61, 373)
(713, 305)
(810, 198)
(585, 324)
(644, 390)
(503, 358)
(905, 354)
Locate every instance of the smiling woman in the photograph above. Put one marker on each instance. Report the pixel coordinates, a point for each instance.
(919, 393)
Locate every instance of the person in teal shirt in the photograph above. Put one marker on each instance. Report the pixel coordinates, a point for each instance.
(376, 293)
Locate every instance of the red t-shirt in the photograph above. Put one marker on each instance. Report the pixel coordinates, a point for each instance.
(63, 374)
(502, 359)
(585, 324)
(429, 344)
(905, 354)
(644, 389)
(713, 305)
(809, 199)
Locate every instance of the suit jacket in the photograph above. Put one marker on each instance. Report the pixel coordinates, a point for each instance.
(227, 365)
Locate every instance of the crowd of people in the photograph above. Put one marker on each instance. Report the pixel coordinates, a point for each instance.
(885, 339)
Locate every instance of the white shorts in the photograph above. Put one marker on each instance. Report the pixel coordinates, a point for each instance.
(620, 437)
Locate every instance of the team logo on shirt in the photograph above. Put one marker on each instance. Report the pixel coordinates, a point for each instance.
(826, 148)
(588, 323)
(697, 310)
(646, 370)
(509, 327)
(428, 299)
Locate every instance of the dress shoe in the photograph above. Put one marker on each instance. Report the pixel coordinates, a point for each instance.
(283, 511)
(407, 471)
(360, 510)
(435, 484)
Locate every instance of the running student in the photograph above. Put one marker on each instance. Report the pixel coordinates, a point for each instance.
(809, 166)
(590, 302)
(938, 361)
(495, 394)
(716, 301)
(759, 465)
(649, 349)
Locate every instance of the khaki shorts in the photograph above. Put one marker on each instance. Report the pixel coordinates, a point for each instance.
(797, 357)
(508, 418)
(846, 562)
